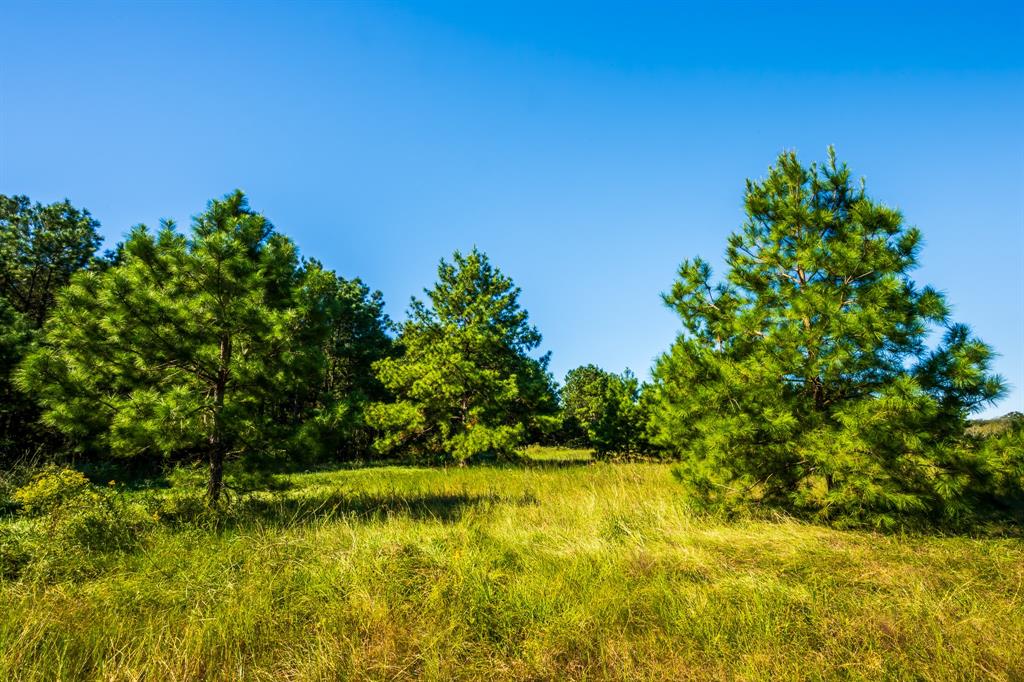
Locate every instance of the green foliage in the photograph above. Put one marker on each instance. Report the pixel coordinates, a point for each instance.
(15, 551)
(354, 335)
(51, 490)
(606, 408)
(999, 459)
(17, 414)
(66, 519)
(464, 382)
(803, 379)
(185, 345)
(41, 247)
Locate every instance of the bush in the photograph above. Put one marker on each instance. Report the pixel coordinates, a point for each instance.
(69, 513)
(7, 488)
(51, 490)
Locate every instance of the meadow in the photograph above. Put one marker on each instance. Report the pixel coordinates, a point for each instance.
(555, 568)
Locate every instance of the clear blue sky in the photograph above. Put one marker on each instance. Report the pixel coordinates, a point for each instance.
(588, 148)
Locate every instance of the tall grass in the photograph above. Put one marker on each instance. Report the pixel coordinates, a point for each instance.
(583, 571)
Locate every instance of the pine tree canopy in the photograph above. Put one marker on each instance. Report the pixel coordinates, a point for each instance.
(805, 377)
(185, 345)
(350, 330)
(815, 375)
(464, 382)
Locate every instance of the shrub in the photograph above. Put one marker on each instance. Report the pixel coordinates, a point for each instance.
(189, 507)
(71, 513)
(7, 488)
(50, 490)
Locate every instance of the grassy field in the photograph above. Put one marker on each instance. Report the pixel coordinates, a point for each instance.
(562, 570)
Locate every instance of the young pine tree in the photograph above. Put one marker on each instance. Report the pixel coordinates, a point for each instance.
(464, 381)
(804, 378)
(185, 345)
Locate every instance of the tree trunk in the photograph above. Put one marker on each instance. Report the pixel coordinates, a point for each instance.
(215, 486)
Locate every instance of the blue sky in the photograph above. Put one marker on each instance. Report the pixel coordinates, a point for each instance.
(588, 148)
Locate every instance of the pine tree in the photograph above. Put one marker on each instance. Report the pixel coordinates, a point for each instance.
(17, 413)
(804, 378)
(464, 381)
(184, 345)
(607, 407)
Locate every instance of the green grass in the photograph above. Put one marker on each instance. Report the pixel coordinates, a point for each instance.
(540, 453)
(581, 571)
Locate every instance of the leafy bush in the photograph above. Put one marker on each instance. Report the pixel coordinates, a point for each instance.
(70, 513)
(51, 490)
(7, 488)
(191, 508)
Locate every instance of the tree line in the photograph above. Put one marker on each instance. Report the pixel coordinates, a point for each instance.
(804, 378)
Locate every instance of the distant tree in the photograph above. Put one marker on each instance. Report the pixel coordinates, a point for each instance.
(41, 247)
(464, 383)
(185, 344)
(999, 477)
(357, 335)
(804, 379)
(606, 407)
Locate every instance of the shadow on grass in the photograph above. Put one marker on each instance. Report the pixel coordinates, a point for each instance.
(444, 507)
(290, 510)
(553, 463)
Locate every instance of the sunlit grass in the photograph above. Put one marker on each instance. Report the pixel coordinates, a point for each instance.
(542, 453)
(592, 571)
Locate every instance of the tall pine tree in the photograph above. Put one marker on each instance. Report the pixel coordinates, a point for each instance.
(352, 333)
(186, 345)
(804, 378)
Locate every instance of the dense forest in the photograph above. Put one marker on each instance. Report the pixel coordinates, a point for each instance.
(814, 376)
